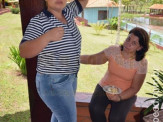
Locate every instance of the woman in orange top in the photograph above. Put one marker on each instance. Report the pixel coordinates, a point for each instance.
(127, 69)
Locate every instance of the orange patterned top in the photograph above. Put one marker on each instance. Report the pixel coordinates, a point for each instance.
(121, 71)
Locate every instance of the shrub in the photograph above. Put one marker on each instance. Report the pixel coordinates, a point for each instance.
(113, 23)
(157, 93)
(98, 27)
(15, 56)
(15, 10)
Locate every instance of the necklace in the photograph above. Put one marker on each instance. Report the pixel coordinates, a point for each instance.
(126, 56)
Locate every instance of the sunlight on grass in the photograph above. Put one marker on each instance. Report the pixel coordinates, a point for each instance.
(13, 87)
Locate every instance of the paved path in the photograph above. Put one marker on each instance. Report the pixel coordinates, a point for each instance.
(4, 10)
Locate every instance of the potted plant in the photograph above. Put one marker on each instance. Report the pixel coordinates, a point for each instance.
(157, 97)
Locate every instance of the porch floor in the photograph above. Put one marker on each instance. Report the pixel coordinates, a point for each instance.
(83, 99)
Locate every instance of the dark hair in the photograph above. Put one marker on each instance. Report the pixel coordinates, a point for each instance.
(45, 5)
(143, 41)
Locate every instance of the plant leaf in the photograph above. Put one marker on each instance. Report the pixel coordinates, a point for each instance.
(150, 84)
(149, 99)
(152, 94)
(147, 110)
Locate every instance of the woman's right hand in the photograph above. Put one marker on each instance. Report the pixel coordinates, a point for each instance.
(109, 95)
(55, 34)
(113, 97)
(32, 48)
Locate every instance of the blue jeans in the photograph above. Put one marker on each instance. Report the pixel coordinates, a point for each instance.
(58, 93)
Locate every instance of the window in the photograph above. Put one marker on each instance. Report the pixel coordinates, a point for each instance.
(102, 15)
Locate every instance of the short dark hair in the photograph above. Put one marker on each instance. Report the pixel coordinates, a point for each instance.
(45, 5)
(143, 41)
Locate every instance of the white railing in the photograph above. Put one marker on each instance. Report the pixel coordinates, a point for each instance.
(155, 37)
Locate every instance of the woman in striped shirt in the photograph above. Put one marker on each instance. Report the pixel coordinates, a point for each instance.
(54, 37)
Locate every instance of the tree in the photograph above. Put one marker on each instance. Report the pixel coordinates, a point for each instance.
(141, 4)
(126, 3)
(119, 22)
(115, 1)
(157, 2)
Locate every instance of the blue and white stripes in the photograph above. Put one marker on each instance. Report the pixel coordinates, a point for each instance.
(58, 57)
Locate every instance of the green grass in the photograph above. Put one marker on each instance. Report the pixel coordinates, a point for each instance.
(14, 104)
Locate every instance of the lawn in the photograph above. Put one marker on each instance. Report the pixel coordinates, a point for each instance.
(14, 104)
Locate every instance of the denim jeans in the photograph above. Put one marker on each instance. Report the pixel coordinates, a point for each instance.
(58, 93)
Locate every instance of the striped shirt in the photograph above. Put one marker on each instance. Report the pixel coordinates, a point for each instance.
(58, 57)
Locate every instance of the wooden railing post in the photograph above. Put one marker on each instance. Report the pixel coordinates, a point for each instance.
(39, 111)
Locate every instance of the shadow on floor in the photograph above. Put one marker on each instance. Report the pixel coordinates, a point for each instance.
(23, 116)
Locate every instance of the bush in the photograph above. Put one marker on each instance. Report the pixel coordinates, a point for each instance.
(113, 23)
(15, 10)
(15, 56)
(98, 27)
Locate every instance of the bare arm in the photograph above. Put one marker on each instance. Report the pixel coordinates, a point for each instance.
(135, 87)
(32, 48)
(98, 58)
(83, 3)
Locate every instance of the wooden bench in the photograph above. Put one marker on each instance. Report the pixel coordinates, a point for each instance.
(83, 99)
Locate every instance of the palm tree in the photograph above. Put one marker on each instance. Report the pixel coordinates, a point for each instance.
(111, 3)
(119, 22)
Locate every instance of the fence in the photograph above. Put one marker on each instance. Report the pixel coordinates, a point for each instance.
(155, 37)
